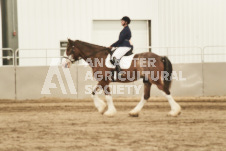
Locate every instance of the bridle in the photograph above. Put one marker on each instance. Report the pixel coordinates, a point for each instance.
(72, 52)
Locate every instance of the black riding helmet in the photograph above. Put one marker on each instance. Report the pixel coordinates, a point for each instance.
(127, 19)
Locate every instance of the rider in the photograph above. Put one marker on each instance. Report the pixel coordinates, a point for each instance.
(123, 44)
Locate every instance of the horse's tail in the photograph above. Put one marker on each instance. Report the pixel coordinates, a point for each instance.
(169, 69)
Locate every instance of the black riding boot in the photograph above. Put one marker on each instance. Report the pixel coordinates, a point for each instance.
(116, 63)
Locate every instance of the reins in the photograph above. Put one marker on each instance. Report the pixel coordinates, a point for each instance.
(72, 60)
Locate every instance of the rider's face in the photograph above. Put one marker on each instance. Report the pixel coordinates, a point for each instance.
(123, 23)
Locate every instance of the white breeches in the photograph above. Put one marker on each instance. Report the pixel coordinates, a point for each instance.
(120, 51)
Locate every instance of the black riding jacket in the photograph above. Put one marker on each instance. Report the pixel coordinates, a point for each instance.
(124, 38)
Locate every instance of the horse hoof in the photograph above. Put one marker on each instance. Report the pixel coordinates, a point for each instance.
(102, 109)
(133, 114)
(110, 113)
(173, 113)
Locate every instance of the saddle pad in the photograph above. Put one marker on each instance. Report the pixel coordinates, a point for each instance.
(125, 61)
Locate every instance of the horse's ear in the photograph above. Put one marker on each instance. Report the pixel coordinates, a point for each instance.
(70, 41)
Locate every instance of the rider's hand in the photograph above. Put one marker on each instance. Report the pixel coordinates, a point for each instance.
(110, 47)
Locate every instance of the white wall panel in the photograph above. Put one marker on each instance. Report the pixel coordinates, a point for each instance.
(43, 23)
(192, 22)
(107, 32)
(135, 9)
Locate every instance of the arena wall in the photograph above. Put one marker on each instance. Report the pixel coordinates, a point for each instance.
(7, 83)
(214, 79)
(30, 82)
(201, 80)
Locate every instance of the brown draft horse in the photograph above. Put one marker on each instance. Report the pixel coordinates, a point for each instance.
(161, 67)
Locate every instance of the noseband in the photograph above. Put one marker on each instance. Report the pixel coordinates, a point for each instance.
(72, 52)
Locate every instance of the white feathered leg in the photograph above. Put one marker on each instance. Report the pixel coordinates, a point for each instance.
(111, 108)
(99, 104)
(135, 112)
(175, 107)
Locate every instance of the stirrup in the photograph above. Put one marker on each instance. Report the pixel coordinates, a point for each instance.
(117, 68)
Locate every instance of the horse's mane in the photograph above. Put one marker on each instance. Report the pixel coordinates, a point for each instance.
(91, 45)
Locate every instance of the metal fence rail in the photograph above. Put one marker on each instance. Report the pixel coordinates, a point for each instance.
(217, 53)
(43, 56)
(48, 54)
(189, 54)
(179, 54)
(7, 57)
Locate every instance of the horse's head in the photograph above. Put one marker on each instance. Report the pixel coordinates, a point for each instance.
(72, 51)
